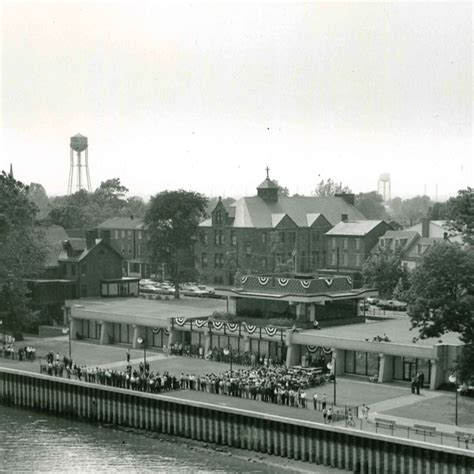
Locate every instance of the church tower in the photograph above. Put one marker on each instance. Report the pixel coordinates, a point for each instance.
(268, 190)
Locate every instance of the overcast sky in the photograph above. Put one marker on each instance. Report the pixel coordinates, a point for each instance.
(205, 96)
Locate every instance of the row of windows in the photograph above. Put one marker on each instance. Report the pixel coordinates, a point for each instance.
(127, 234)
(353, 243)
(345, 259)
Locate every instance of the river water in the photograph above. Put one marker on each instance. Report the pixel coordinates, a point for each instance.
(35, 442)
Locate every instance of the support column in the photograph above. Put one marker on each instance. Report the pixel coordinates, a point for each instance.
(74, 328)
(138, 331)
(293, 352)
(312, 312)
(246, 340)
(207, 343)
(339, 354)
(300, 311)
(386, 368)
(171, 337)
(437, 375)
(232, 304)
(106, 333)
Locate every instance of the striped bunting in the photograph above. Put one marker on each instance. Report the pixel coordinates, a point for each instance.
(283, 281)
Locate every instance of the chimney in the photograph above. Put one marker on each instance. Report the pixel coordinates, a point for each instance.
(425, 227)
(445, 235)
(348, 197)
(344, 217)
(105, 235)
(91, 235)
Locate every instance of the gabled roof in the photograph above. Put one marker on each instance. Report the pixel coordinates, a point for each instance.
(121, 223)
(358, 227)
(254, 212)
(80, 250)
(400, 234)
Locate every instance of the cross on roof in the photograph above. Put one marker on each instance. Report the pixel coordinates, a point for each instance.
(268, 170)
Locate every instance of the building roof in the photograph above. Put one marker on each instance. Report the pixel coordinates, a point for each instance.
(121, 223)
(80, 250)
(254, 212)
(354, 227)
(400, 234)
(267, 184)
(54, 236)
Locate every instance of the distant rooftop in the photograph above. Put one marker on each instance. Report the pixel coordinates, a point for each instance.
(354, 227)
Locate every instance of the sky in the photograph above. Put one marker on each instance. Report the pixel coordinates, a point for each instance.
(204, 96)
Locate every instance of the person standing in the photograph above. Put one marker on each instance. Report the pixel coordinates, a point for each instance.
(365, 412)
(324, 401)
(325, 414)
(315, 401)
(128, 356)
(329, 415)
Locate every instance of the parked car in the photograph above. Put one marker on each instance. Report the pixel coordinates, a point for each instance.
(190, 290)
(149, 289)
(392, 305)
(372, 300)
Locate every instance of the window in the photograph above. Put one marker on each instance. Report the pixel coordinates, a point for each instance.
(292, 237)
(123, 234)
(83, 290)
(333, 243)
(218, 218)
(382, 242)
(117, 234)
(279, 257)
(282, 237)
(216, 237)
(123, 250)
(139, 250)
(248, 249)
(333, 258)
(73, 269)
(233, 239)
(129, 250)
(204, 238)
(264, 237)
(344, 243)
(357, 243)
(219, 237)
(315, 258)
(344, 259)
(315, 236)
(140, 235)
(357, 260)
(325, 257)
(218, 260)
(84, 269)
(129, 235)
(204, 260)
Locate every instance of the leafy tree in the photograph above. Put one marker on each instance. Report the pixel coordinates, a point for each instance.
(403, 285)
(330, 188)
(439, 211)
(382, 270)
(22, 252)
(460, 210)
(282, 190)
(135, 206)
(410, 211)
(441, 296)
(173, 218)
(111, 193)
(37, 195)
(371, 205)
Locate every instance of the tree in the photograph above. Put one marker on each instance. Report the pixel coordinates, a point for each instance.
(441, 296)
(37, 195)
(282, 190)
(135, 206)
(410, 211)
(22, 252)
(330, 188)
(111, 193)
(173, 218)
(371, 205)
(461, 212)
(382, 270)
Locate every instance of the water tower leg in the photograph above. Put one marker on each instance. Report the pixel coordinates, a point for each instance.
(79, 171)
(89, 187)
(71, 172)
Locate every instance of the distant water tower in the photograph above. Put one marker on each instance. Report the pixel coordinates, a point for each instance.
(78, 144)
(384, 187)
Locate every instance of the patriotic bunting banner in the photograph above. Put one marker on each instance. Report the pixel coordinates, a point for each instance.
(283, 281)
(250, 328)
(218, 325)
(155, 330)
(244, 279)
(65, 330)
(263, 280)
(232, 327)
(349, 280)
(180, 321)
(166, 331)
(200, 322)
(327, 350)
(312, 349)
(271, 331)
(305, 283)
(328, 281)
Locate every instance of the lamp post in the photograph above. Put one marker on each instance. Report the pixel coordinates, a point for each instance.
(229, 352)
(453, 378)
(332, 366)
(142, 340)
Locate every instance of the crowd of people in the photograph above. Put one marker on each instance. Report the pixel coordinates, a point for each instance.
(274, 384)
(141, 379)
(23, 353)
(220, 354)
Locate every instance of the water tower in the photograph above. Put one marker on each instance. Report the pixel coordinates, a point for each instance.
(384, 187)
(78, 144)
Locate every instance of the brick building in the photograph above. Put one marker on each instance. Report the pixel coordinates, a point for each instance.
(261, 233)
(128, 235)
